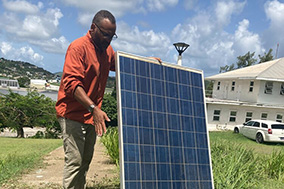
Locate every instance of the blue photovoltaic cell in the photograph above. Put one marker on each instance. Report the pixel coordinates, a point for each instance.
(163, 135)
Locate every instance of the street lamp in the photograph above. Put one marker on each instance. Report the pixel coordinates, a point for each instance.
(180, 47)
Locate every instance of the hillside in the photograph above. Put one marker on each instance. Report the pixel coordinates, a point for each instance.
(24, 71)
(18, 69)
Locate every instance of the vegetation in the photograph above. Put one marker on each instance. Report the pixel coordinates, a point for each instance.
(18, 155)
(110, 107)
(110, 141)
(33, 110)
(241, 163)
(23, 71)
(247, 60)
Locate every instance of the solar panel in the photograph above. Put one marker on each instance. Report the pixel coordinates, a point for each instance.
(163, 137)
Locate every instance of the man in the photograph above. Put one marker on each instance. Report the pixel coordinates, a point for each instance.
(86, 69)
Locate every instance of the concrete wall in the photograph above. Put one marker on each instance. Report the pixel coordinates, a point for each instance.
(241, 113)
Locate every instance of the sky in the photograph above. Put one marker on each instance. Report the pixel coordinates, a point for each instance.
(218, 31)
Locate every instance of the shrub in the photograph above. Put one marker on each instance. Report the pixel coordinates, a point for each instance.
(110, 141)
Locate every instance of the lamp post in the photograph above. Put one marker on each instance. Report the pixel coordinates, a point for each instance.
(180, 47)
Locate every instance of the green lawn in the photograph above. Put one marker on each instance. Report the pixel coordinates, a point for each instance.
(229, 136)
(18, 155)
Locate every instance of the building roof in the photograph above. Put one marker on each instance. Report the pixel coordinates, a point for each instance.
(272, 71)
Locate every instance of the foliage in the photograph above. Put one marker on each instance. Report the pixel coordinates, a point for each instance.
(242, 163)
(233, 166)
(24, 81)
(208, 88)
(226, 68)
(247, 60)
(110, 107)
(266, 57)
(110, 82)
(110, 141)
(32, 110)
(17, 155)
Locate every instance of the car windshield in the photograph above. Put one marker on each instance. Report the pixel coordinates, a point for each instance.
(277, 126)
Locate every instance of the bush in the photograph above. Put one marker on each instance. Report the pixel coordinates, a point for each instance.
(110, 141)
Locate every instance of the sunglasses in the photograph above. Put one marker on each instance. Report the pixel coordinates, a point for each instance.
(106, 35)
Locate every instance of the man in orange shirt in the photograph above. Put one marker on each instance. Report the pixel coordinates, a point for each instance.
(86, 69)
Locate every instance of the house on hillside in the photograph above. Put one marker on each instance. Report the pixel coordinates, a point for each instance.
(9, 83)
(254, 92)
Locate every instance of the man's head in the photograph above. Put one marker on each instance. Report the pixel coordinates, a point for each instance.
(103, 29)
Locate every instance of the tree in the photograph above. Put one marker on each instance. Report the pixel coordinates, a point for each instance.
(227, 68)
(246, 60)
(18, 111)
(110, 107)
(266, 57)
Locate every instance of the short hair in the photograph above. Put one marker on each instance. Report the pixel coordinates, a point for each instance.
(102, 14)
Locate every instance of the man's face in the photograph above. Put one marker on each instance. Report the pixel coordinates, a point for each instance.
(103, 33)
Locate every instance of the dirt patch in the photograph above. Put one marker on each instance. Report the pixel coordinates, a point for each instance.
(50, 174)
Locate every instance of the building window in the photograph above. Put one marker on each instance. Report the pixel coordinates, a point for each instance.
(282, 89)
(218, 85)
(233, 85)
(251, 86)
(264, 116)
(233, 116)
(279, 118)
(248, 116)
(268, 87)
(216, 115)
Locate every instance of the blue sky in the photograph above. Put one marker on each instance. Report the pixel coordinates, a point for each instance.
(218, 31)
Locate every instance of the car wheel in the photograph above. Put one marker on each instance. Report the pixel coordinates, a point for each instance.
(236, 130)
(259, 138)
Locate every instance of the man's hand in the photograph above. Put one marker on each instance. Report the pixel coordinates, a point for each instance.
(99, 121)
(157, 58)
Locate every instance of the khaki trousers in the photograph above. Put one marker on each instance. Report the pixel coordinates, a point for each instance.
(78, 140)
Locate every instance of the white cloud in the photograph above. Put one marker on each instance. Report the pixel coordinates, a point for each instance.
(39, 28)
(274, 34)
(146, 42)
(160, 5)
(245, 41)
(25, 53)
(28, 53)
(53, 45)
(225, 9)
(22, 6)
(5, 48)
(210, 45)
(190, 4)
(117, 7)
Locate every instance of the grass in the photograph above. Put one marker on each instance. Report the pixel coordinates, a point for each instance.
(239, 162)
(18, 155)
(239, 139)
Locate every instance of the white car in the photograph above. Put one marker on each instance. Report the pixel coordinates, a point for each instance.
(262, 130)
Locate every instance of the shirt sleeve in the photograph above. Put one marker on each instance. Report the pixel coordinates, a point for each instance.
(73, 70)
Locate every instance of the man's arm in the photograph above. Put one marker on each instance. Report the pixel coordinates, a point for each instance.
(99, 116)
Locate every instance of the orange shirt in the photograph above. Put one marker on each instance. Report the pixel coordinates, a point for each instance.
(87, 67)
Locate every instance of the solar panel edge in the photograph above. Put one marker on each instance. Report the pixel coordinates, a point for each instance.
(119, 120)
(206, 119)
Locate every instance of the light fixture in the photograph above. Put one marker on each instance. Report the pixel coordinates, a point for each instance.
(180, 47)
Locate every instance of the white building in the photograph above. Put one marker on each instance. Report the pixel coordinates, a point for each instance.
(254, 92)
(9, 83)
(38, 84)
